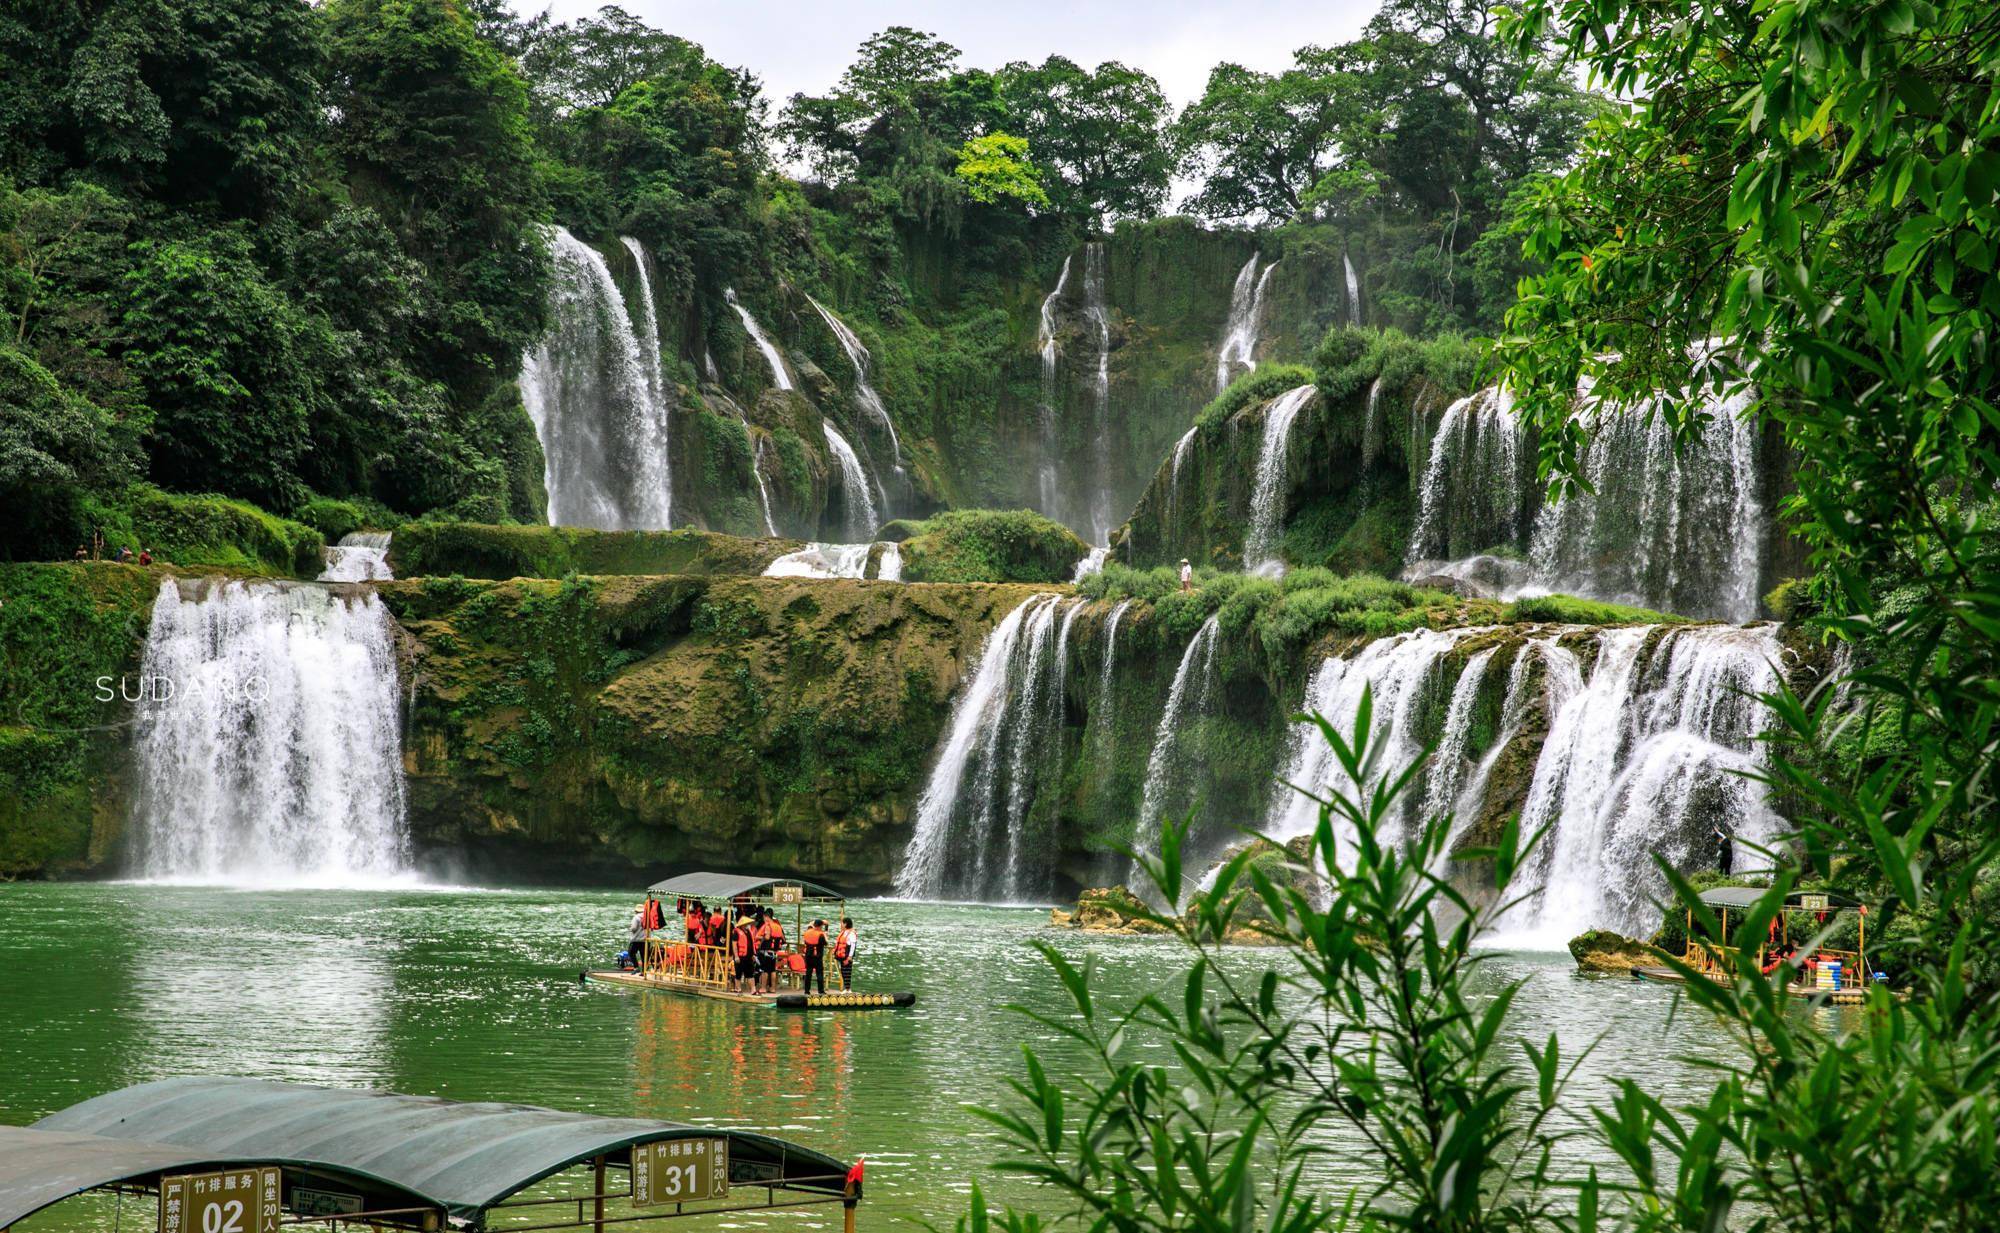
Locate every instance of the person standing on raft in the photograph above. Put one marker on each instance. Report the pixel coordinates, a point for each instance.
(844, 950)
(812, 945)
(770, 940)
(743, 947)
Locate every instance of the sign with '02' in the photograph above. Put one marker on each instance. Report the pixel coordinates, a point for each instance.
(680, 1171)
(238, 1201)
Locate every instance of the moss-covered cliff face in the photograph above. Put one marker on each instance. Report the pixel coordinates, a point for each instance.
(476, 550)
(600, 726)
(954, 360)
(70, 643)
(1349, 488)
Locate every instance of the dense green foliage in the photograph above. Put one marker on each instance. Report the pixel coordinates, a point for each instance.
(474, 550)
(988, 546)
(1407, 142)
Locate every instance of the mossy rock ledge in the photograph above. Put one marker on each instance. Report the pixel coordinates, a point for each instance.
(600, 729)
(1600, 950)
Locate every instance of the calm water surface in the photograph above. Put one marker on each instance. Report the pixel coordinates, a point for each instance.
(473, 995)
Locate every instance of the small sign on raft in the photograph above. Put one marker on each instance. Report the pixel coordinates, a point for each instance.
(237, 1201)
(680, 1171)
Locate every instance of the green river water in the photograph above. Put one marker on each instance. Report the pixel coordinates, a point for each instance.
(473, 995)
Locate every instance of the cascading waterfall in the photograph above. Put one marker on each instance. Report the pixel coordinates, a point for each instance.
(763, 490)
(1105, 711)
(819, 560)
(1475, 482)
(588, 388)
(780, 377)
(864, 388)
(1045, 344)
(1647, 755)
(1188, 695)
(1353, 291)
(1395, 669)
(268, 749)
(1515, 706)
(1001, 746)
(1684, 530)
(1246, 321)
(1371, 424)
(1092, 562)
(857, 493)
(361, 556)
(1268, 497)
(1097, 311)
(649, 321)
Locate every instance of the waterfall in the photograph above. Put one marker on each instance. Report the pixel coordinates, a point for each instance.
(267, 749)
(1395, 669)
(594, 401)
(1268, 499)
(1163, 764)
(857, 494)
(1446, 771)
(889, 568)
(1684, 530)
(1104, 712)
(1000, 747)
(763, 490)
(1371, 424)
(1475, 482)
(1246, 320)
(1353, 291)
(1097, 310)
(361, 556)
(1045, 344)
(1514, 710)
(1647, 755)
(864, 389)
(779, 377)
(1092, 562)
(649, 321)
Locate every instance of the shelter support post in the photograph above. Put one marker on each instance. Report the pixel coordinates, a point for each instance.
(597, 1201)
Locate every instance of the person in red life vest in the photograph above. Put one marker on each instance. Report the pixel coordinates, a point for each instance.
(845, 947)
(770, 941)
(718, 927)
(692, 918)
(743, 947)
(812, 945)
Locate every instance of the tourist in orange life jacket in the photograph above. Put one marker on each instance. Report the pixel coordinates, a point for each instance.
(770, 940)
(812, 945)
(743, 947)
(845, 947)
(718, 926)
(692, 917)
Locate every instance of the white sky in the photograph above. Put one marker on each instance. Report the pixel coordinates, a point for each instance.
(795, 46)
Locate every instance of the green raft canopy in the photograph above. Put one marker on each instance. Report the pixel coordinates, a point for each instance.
(40, 1168)
(473, 1160)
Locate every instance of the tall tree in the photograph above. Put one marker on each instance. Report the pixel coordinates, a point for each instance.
(1100, 135)
(432, 128)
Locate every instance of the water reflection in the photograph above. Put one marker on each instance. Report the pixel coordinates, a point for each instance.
(474, 996)
(277, 990)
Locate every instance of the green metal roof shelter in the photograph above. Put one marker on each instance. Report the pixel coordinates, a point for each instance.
(39, 1168)
(467, 1158)
(730, 885)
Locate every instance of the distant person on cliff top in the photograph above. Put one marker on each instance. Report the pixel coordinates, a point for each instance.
(1187, 576)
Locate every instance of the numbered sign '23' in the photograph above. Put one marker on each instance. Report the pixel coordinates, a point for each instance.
(680, 1171)
(238, 1201)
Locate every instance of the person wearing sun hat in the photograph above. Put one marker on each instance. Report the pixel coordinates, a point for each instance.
(1187, 576)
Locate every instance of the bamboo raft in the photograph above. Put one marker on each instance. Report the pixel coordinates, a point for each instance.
(694, 970)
